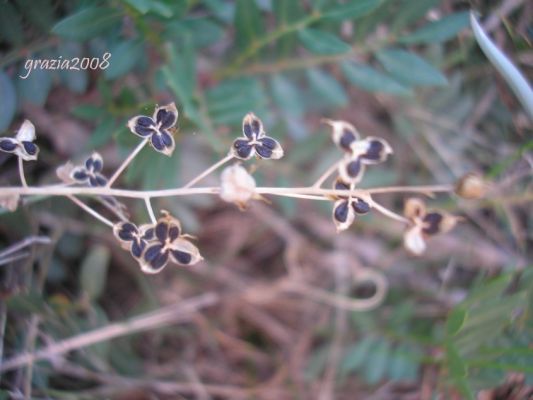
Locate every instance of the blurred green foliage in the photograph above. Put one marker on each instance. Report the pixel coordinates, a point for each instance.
(284, 60)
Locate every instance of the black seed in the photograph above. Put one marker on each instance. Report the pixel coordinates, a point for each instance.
(247, 130)
(353, 168)
(80, 175)
(256, 127)
(244, 150)
(173, 232)
(89, 163)
(375, 151)
(432, 221)
(341, 212)
(166, 139)
(137, 248)
(166, 118)
(268, 142)
(360, 206)
(97, 180)
(98, 165)
(7, 145)
(161, 231)
(30, 148)
(181, 257)
(149, 234)
(157, 142)
(126, 231)
(346, 140)
(145, 121)
(143, 131)
(340, 185)
(263, 151)
(159, 261)
(152, 252)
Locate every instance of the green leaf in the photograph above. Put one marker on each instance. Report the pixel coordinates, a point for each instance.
(357, 354)
(202, 31)
(410, 69)
(10, 25)
(455, 363)
(371, 80)
(512, 75)
(327, 87)
(154, 6)
(76, 81)
(286, 95)
(39, 13)
(93, 273)
(404, 364)
(8, 101)
(248, 23)
(103, 133)
(439, 31)
(35, 88)
(287, 12)
(87, 23)
(180, 74)
(124, 56)
(410, 11)
(88, 112)
(31, 302)
(352, 9)
(456, 320)
(322, 42)
(376, 366)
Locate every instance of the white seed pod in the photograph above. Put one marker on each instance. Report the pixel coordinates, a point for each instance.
(237, 185)
(9, 202)
(64, 173)
(413, 240)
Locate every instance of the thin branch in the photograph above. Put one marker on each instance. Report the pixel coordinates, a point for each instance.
(25, 243)
(388, 213)
(326, 175)
(212, 168)
(150, 210)
(126, 162)
(164, 316)
(14, 257)
(21, 172)
(88, 209)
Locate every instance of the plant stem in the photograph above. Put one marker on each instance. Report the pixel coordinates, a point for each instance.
(150, 210)
(326, 175)
(212, 168)
(95, 214)
(21, 172)
(56, 190)
(388, 213)
(126, 162)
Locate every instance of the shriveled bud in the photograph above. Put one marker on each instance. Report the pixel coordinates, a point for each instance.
(237, 185)
(471, 186)
(414, 208)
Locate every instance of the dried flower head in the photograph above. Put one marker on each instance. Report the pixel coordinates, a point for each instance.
(133, 238)
(157, 128)
(471, 186)
(347, 207)
(22, 144)
(237, 185)
(424, 224)
(168, 244)
(255, 141)
(91, 172)
(343, 134)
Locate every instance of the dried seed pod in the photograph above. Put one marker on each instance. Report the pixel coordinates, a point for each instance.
(414, 208)
(237, 185)
(255, 142)
(471, 186)
(344, 134)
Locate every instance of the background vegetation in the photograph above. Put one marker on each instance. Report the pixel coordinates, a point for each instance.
(455, 323)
